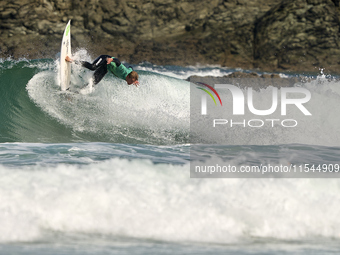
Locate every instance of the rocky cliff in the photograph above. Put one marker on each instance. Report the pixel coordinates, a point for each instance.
(300, 35)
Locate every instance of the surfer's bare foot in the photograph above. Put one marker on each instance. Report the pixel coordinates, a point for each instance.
(68, 59)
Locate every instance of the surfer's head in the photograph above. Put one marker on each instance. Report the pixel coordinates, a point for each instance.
(132, 77)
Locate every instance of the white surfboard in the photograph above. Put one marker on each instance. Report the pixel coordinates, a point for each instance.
(65, 67)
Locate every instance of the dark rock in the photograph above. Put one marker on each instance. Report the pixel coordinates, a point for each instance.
(291, 35)
(244, 80)
(303, 34)
(242, 75)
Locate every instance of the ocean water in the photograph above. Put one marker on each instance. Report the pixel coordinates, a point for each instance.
(109, 172)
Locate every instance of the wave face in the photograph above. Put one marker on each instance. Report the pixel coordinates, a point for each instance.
(34, 110)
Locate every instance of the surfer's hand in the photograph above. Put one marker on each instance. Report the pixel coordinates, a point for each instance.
(68, 59)
(136, 83)
(109, 60)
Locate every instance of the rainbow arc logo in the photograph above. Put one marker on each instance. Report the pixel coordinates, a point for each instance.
(209, 93)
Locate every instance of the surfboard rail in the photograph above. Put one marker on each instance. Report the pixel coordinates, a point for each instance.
(65, 50)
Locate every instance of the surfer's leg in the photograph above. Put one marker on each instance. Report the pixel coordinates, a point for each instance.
(99, 74)
(97, 63)
(88, 65)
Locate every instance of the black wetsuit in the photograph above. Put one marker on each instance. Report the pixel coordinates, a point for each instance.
(99, 66)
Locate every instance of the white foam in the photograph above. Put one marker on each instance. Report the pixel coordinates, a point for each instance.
(139, 199)
(185, 72)
(156, 110)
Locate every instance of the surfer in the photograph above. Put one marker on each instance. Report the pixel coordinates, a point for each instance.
(105, 63)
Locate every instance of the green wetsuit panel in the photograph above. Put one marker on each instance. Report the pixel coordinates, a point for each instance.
(120, 71)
